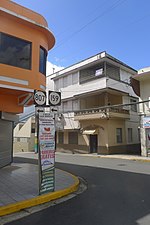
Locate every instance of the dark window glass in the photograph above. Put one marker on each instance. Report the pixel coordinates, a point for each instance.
(73, 138)
(91, 73)
(42, 63)
(32, 130)
(119, 135)
(130, 136)
(113, 72)
(60, 137)
(15, 51)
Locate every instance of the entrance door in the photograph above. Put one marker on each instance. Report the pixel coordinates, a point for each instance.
(6, 142)
(93, 143)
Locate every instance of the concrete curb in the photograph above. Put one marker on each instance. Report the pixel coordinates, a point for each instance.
(132, 158)
(16, 207)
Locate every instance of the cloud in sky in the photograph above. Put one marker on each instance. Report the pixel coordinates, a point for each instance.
(51, 68)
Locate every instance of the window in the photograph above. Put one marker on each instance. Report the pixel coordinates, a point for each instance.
(130, 138)
(60, 137)
(119, 135)
(139, 134)
(15, 51)
(91, 73)
(75, 78)
(113, 72)
(65, 106)
(57, 86)
(65, 81)
(73, 138)
(75, 105)
(32, 130)
(42, 63)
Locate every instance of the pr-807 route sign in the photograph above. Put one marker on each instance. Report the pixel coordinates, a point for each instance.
(54, 98)
(40, 98)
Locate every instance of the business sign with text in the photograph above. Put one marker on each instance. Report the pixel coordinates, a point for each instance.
(46, 141)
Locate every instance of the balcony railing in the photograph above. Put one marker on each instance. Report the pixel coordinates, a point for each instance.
(102, 112)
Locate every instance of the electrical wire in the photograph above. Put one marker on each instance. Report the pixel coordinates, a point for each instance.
(110, 8)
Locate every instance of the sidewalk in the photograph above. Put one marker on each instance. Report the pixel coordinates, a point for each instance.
(19, 186)
(19, 182)
(113, 156)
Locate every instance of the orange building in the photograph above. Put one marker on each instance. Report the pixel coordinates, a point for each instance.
(24, 42)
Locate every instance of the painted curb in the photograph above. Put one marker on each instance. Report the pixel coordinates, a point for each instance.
(147, 160)
(15, 207)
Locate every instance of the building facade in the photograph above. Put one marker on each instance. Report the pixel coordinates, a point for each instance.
(96, 120)
(24, 136)
(24, 42)
(142, 88)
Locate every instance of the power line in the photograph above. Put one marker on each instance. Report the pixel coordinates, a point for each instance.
(113, 6)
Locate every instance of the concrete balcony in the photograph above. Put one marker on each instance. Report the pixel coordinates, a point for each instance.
(101, 113)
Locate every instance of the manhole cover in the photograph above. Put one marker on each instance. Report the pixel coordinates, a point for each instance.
(121, 164)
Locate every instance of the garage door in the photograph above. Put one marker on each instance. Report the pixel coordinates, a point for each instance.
(6, 140)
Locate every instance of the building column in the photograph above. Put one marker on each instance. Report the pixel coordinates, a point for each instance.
(143, 138)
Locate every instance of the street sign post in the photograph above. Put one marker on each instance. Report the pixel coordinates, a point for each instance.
(45, 141)
(39, 98)
(54, 98)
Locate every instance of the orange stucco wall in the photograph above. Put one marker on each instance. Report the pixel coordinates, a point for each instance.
(27, 28)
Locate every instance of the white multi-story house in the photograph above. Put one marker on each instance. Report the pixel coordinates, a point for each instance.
(142, 88)
(95, 96)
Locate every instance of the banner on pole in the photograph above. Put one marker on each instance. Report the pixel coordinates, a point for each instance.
(46, 142)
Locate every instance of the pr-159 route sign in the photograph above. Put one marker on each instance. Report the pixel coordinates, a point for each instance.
(54, 98)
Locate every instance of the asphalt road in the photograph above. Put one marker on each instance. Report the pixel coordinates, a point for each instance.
(118, 194)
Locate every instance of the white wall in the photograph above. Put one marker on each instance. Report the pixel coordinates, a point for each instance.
(76, 89)
(145, 95)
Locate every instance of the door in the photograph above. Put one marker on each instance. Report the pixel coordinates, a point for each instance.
(93, 143)
(6, 142)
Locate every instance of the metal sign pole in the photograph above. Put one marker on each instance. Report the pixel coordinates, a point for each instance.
(46, 138)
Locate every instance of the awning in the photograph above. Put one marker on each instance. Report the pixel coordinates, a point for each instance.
(89, 131)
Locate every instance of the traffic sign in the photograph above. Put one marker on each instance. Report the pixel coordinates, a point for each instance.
(54, 98)
(39, 98)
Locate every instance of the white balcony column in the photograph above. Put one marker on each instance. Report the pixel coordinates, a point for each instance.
(143, 138)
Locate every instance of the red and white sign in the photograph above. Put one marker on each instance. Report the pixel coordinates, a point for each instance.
(46, 151)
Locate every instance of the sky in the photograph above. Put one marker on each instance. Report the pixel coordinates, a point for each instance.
(85, 28)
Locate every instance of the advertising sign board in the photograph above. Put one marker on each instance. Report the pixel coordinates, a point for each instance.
(146, 122)
(148, 139)
(46, 141)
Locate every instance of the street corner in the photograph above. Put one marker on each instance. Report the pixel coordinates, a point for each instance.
(39, 200)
